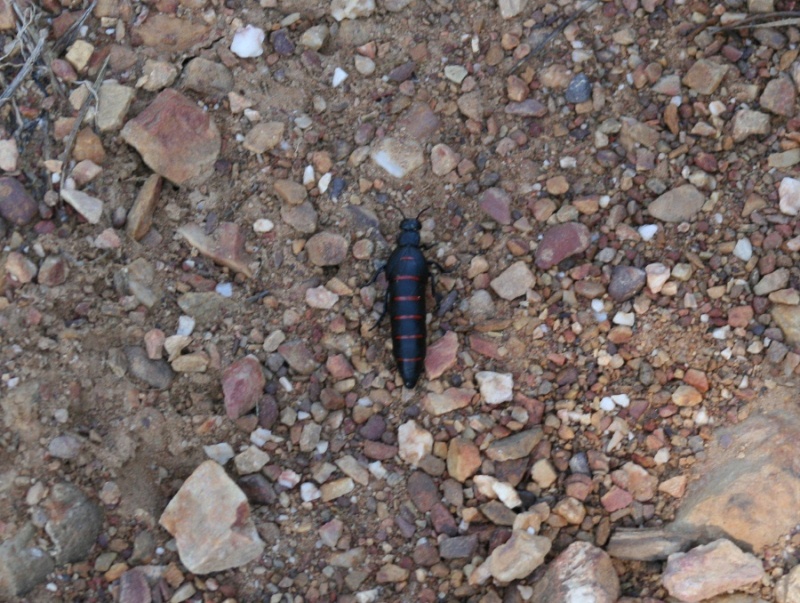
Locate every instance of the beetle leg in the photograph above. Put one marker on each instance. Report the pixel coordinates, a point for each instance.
(383, 314)
(375, 276)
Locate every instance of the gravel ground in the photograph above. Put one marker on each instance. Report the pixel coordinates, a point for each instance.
(194, 195)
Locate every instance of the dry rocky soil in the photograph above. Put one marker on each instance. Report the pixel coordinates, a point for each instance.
(195, 403)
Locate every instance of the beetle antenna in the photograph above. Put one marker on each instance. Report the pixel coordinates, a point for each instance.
(423, 211)
(397, 209)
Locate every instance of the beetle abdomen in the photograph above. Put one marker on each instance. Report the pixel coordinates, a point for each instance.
(407, 273)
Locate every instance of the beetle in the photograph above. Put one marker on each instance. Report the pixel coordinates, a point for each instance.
(408, 273)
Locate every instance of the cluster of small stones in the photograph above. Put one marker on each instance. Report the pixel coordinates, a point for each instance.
(617, 219)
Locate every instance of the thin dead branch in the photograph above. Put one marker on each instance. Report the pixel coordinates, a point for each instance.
(26, 69)
(776, 19)
(561, 27)
(69, 36)
(70, 142)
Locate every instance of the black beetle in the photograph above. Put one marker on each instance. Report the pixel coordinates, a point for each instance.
(407, 272)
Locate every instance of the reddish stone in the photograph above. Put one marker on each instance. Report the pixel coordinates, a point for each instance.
(242, 385)
(696, 379)
(441, 355)
(740, 316)
(560, 242)
(616, 499)
(176, 138)
(496, 203)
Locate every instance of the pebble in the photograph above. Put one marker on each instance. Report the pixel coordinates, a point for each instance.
(315, 37)
(686, 395)
(680, 204)
(748, 123)
(19, 269)
(85, 171)
(336, 488)
(53, 271)
(414, 442)
(582, 571)
(515, 446)
(302, 217)
(23, 565)
(289, 191)
(528, 108)
(443, 159)
(615, 499)
(560, 242)
(626, 281)
(514, 281)
(213, 533)
(221, 453)
(789, 194)
(743, 249)
(441, 355)
(351, 9)
(657, 276)
(91, 208)
(397, 157)
(157, 75)
(248, 42)
(779, 96)
(64, 447)
(496, 203)
(647, 231)
(471, 105)
(458, 547)
(251, 460)
(705, 76)
(788, 320)
(495, 388)
(175, 138)
(74, 522)
(451, 399)
(242, 386)
(9, 155)
(112, 107)
(225, 246)
(779, 279)
(298, 356)
(133, 587)
(510, 8)
(514, 560)
(339, 76)
(327, 249)
(16, 204)
(579, 89)
(422, 491)
(156, 373)
(463, 459)
(140, 217)
(710, 570)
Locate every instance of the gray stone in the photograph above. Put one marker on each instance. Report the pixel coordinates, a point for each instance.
(579, 570)
(678, 205)
(207, 77)
(23, 565)
(626, 281)
(156, 373)
(579, 89)
(74, 522)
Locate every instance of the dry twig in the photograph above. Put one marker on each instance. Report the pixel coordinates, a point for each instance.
(562, 26)
(70, 142)
(776, 19)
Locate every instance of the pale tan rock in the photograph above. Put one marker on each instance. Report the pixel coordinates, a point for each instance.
(514, 560)
(225, 246)
(176, 138)
(213, 533)
(140, 217)
(115, 100)
(747, 488)
(709, 570)
(89, 207)
(463, 459)
(414, 442)
(581, 571)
